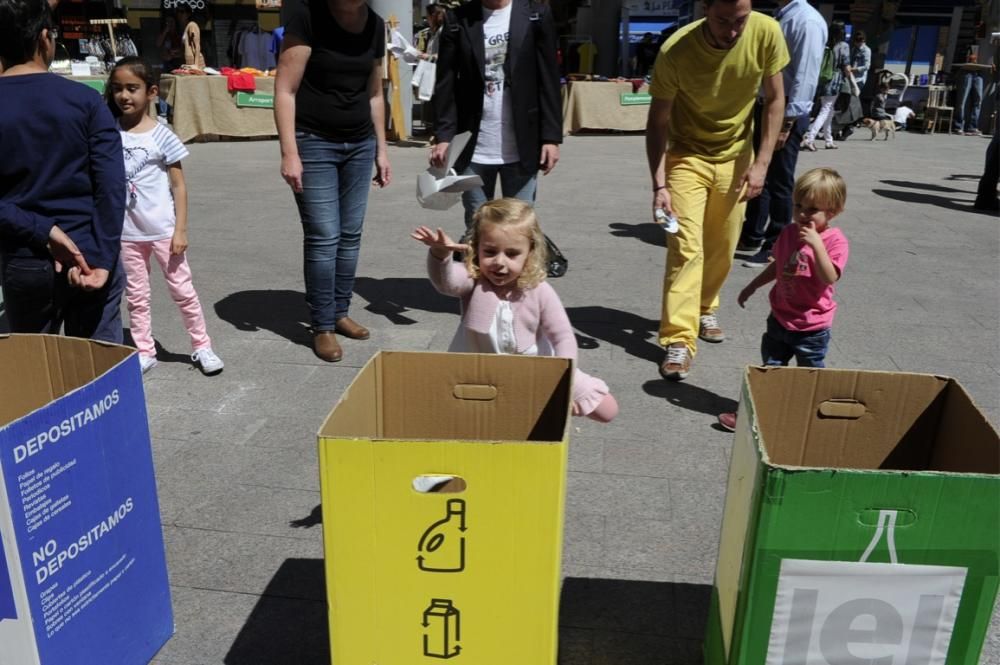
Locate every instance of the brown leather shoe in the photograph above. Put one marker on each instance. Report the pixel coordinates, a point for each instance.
(352, 329)
(326, 347)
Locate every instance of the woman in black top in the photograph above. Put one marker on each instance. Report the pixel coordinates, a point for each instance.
(330, 113)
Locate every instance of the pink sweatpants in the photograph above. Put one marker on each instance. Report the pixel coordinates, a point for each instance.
(135, 257)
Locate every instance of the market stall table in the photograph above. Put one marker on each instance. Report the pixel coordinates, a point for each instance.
(598, 105)
(203, 108)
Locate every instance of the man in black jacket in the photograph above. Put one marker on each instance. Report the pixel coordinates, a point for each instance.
(497, 77)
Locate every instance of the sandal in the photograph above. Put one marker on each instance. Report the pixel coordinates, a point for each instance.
(808, 145)
(830, 145)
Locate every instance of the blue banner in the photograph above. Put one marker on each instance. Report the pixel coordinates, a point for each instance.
(79, 475)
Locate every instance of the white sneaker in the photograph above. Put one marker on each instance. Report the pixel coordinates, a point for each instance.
(207, 361)
(146, 362)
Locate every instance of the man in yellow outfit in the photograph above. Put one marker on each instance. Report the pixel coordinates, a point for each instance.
(705, 82)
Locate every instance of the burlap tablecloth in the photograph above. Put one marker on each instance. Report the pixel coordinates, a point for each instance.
(597, 105)
(204, 109)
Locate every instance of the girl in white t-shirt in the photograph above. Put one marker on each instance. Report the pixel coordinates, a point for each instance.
(155, 214)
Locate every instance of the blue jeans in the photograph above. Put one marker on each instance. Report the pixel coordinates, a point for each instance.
(778, 345)
(336, 178)
(39, 300)
(971, 82)
(514, 181)
(770, 212)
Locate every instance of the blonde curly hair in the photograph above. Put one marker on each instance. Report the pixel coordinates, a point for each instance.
(510, 213)
(823, 188)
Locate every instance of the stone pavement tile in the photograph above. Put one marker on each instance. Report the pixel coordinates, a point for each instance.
(937, 361)
(583, 539)
(289, 431)
(291, 467)
(586, 448)
(246, 508)
(238, 386)
(991, 650)
(624, 648)
(633, 606)
(608, 573)
(964, 343)
(248, 629)
(238, 562)
(676, 545)
(576, 646)
(613, 495)
(205, 426)
(664, 459)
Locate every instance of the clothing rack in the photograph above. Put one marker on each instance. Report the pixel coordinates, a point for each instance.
(111, 23)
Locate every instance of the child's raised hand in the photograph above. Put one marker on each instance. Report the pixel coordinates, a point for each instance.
(440, 243)
(809, 235)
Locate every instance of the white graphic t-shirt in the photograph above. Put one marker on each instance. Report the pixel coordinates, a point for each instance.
(496, 143)
(149, 208)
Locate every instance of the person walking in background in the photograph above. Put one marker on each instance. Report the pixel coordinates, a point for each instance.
(828, 93)
(62, 184)
(705, 83)
(507, 306)
(155, 215)
(329, 109)
(809, 260)
(498, 78)
(805, 33)
(861, 58)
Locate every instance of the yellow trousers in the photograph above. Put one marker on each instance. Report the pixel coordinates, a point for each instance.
(705, 198)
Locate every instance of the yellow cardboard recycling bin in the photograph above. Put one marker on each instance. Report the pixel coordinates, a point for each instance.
(443, 478)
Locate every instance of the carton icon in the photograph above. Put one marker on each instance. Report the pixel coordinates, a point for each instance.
(442, 629)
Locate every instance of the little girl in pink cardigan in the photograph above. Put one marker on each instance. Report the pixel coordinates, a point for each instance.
(507, 306)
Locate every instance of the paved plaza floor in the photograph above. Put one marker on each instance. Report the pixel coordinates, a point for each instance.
(236, 454)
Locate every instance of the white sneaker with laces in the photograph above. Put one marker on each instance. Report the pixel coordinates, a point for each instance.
(147, 362)
(207, 361)
(677, 363)
(709, 329)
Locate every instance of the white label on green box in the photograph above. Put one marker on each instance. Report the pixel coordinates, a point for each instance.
(635, 99)
(254, 100)
(835, 612)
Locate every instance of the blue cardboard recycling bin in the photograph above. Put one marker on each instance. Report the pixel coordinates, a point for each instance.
(83, 576)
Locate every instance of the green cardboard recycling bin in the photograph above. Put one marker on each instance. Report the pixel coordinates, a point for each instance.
(860, 523)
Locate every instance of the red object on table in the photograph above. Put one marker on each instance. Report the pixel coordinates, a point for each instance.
(237, 81)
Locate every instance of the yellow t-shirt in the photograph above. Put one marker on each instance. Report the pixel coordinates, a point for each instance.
(713, 90)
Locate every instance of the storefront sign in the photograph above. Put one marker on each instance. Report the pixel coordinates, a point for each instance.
(635, 99)
(254, 100)
(194, 5)
(268, 4)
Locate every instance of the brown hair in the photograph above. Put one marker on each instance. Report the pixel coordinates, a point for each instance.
(510, 213)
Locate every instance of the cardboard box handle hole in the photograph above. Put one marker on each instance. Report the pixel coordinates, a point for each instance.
(850, 409)
(870, 517)
(475, 392)
(439, 484)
